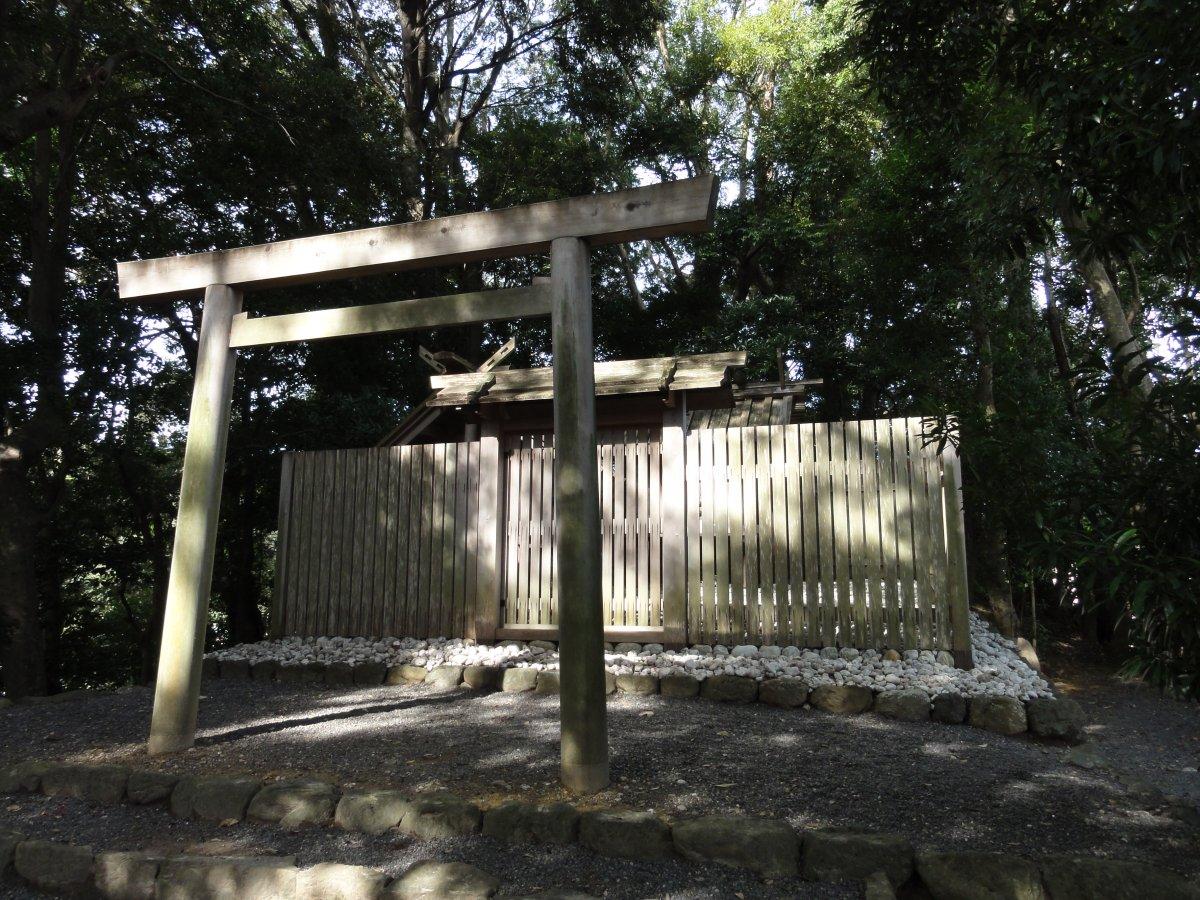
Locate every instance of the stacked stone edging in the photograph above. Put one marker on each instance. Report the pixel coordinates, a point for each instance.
(1045, 717)
(770, 847)
(78, 870)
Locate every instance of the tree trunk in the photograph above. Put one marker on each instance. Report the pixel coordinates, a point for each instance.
(152, 640)
(240, 583)
(22, 644)
(23, 509)
(1130, 353)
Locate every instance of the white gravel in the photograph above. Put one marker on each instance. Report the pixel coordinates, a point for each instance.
(998, 669)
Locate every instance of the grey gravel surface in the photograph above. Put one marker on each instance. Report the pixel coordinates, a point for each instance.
(520, 870)
(1142, 733)
(946, 787)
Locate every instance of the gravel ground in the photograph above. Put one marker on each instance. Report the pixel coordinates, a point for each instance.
(1141, 733)
(945, 786)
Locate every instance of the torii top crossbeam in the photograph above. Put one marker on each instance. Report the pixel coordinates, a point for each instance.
(564, 227)
(659, 210)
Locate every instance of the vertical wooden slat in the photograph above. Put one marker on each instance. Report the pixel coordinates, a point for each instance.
(324, 540)
(412, 582)
(350, 548)
(424, 521)
(437, 511)
(764, 533)
(453, 577)
(909, 556)
(524, 512)
(920, 501)
(723, 601)
(854, 509)
(512, 518)
(812, 581)
(452, 560)
(604, 484)
(357, 499)
(873, 546)
(337, 478)
(533, 573)
(642, 486)
(797, 632)
(301, 501)
(676, 504)
(890, 571)
(618, 507)
(386, 509)
(696, 624)
(387, 604)
(781, 616)
(444, 494)
(404, 536)
(469, 531)
(823, 494)
(841, 543)
(731, 440)
(374, 547)
(338, 513)
(546, 568)
(353, 494)
(751, 525)
(370, 497)
(328, 497)
(629, 607)
(490, 523)
(937, 548)
(398, 542)
(709, 598)
(654, 599)
(279, 595)
(302, 542)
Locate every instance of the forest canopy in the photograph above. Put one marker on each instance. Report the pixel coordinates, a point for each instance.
(975, 211)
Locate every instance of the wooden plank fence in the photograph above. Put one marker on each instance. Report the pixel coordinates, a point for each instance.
(378, 542)
(825, 534)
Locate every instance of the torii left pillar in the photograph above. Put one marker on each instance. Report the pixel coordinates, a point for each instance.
(177, 695)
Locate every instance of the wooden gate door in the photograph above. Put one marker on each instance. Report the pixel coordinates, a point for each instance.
(629, 465)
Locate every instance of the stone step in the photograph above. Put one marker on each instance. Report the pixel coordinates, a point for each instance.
(76, 870)
(772, 848)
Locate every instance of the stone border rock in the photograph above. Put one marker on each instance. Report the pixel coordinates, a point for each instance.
(135, 875)
(1059, 719)
(769, 847)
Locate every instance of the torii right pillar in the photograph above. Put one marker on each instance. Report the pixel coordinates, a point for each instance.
(584, 718)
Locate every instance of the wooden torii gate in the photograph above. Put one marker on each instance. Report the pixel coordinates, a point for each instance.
(566, 228)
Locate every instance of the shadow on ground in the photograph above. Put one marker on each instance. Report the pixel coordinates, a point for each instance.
(945, 786)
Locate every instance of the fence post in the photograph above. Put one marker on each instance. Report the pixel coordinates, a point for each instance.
(177, 691)
(490, 538)
(956, 559)
(674, 514)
